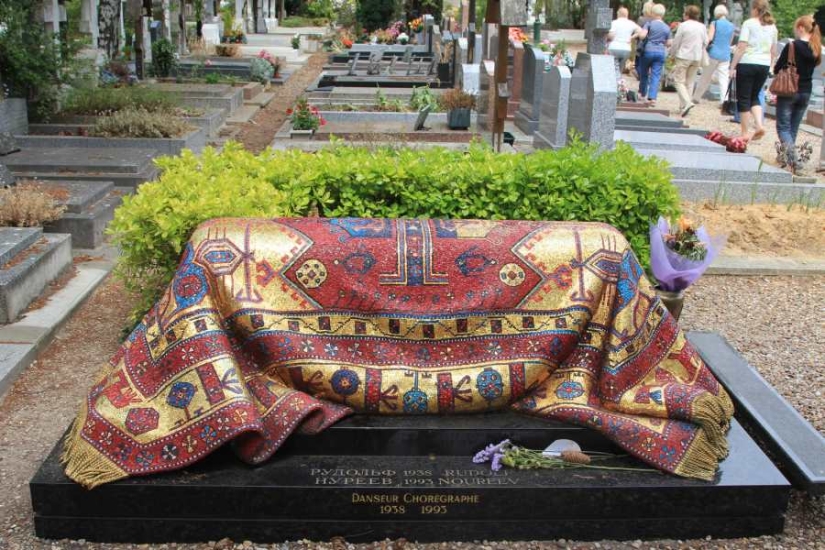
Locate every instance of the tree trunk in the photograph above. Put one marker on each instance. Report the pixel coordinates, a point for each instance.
(137, 12)
(182, 47)
(281, 10)
(109, 23)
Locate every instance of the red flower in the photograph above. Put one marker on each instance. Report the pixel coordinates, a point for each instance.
(323, 122)
(289, 111)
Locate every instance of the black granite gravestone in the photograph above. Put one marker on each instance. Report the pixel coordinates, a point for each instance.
(369, 478)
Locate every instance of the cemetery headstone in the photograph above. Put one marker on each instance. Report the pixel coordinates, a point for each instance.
(408, 51)
(6, 177)
(8, 144)
(461, 44)
(593, 99)
(353, 66)
(486, 95)
(517, 78)
(422, 118)
(527, 117)
(374, 67)
(469, 78)
(391, 67)
(599, 19)
(555, 101)
(477, 51)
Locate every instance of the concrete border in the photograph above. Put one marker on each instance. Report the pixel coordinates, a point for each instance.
(21, 342)
(734, 265)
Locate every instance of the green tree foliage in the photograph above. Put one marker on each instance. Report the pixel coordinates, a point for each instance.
(376, 14)
(580, 182)
(787, 11)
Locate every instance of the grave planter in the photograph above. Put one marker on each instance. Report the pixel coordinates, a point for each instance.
(444, 72)
(673, 301)
(459, 119)
(301, 134)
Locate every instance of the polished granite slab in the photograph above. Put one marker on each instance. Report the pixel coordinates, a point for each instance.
(306, 491)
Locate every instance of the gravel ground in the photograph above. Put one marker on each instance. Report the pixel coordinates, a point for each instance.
(785, 341)
(706, 115)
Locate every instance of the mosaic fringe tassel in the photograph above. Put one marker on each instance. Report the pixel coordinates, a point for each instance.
(83, 463)
(710, 446)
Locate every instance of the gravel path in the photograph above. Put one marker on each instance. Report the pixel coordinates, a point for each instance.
(259, 133)
(776, 322)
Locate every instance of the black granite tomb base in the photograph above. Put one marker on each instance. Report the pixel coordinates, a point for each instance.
(414, 478)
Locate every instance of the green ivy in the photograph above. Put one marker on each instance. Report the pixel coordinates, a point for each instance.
(580, 182)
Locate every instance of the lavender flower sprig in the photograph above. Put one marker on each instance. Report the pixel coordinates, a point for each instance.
(507, 454)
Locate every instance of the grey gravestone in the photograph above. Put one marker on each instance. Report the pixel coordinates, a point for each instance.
(6, 177)
(374, 67)
(391, 68)
(593, 99)
(353, 66)
(422, 118)
(527, 117)
(599, 18)
(469, 79)
(555, 102)
(477, 50)
(7, 144)
(437, 39)
(429, 21)
(408, 51)
(484, 102)
(461, 44)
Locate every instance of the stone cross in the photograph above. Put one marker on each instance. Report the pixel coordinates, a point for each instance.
(593, 99)
(391, 67)
(599, 18)
(374, 67)
(555, 100)
(353, 66)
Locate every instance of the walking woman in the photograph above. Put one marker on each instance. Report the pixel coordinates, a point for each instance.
(622, 32)
(720, 35)
(751, 63)
(688, 46)
(655, 36)
(807, 52)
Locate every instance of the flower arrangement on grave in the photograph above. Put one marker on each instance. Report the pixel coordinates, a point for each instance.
(296, 41)
(679, 254)
(271, 59)
(733, 144)
(305, 116)
(233, 36)
(506, 453)
(417, 25)
(518, 35)
(403, 38)
(621, 90)
(559, 55)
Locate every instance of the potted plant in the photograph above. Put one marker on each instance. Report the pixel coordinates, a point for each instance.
(459, 106)
(444, 54)
(417, 28)
(679, 254)
(305, 119)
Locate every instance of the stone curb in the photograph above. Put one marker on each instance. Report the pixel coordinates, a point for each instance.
(729, 265)
(20, 342)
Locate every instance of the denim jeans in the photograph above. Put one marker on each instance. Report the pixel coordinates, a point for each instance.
(762, 103)
(650, 73)
(789, 113)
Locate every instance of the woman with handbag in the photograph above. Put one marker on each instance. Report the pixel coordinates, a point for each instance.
(720, 35)
(751, 63)
(656, 39)
(793, 84)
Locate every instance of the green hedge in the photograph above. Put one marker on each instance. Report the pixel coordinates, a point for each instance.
(579, 182)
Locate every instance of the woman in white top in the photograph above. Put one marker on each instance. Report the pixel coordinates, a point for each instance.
(622, 32)
(688, 47)
(751, 63)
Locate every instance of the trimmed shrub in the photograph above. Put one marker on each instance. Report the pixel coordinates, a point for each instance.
(98, 101)
(579, 182)
(261, 70)
(163, 57)
(140, 123)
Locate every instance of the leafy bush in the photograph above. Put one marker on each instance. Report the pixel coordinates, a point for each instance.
(261, 70)
(163, 57)
(95, 101)
(319, 9)
(579, 182)
(140, 123)
(296, 22)
(786, 12)
(422, 97)
(28, 205)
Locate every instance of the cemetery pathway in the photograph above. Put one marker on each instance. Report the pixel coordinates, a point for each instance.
(785, 341)
(258, 134)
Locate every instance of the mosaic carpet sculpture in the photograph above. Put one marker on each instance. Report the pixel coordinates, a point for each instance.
(271, 326)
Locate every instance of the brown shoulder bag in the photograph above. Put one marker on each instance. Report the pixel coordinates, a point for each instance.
(786, 81)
